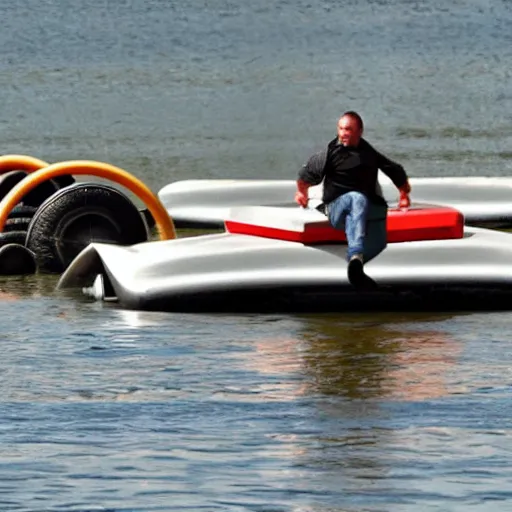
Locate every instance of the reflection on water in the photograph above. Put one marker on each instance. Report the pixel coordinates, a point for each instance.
(358, 360)
(347, 373)
(236, 412)
(362, 361)
(423, 368)
(7, 296)
(37, 285)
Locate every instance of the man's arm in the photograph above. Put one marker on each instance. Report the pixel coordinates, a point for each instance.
(396, 173)
(312, 173)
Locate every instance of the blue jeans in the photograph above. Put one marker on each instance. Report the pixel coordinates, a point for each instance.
(363, 221)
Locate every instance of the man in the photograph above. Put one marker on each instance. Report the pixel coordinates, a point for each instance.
(351, 194)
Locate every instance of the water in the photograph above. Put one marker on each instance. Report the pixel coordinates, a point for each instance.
(105, 409)
(214, 88)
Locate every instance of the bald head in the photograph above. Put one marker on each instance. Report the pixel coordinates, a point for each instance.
(350, 128)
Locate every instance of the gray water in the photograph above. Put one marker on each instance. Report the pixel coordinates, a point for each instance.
(105, 409)
(214, 88)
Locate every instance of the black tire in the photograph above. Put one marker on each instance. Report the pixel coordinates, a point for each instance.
(15, 259)
(64, 181)
(148, 217)
(37, 195)
(13, 237)
(77, 215)
(17, 224)
(9, 180)
(33, 198)
(18, 221)
(21, 210)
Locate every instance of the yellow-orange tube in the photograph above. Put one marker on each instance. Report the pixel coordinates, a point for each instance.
(20, 163)
(164, 223)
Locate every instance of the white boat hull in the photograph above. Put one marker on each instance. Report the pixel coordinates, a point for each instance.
(241, 272)
(484, 201)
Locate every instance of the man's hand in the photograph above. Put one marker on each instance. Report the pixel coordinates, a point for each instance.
(301, 196)
(301, 199)
(405, 200)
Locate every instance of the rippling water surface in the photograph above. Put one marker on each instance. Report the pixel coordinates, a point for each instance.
(112, 410)
(105, 409)
(218, 88)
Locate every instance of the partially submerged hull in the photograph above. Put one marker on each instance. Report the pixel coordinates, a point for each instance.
(246, 273)
(272, 257)
(484, 201)
(282, 257)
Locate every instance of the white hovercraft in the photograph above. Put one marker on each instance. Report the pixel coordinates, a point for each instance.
(276, 256)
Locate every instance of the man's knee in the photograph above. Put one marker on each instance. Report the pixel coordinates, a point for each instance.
(358, 200)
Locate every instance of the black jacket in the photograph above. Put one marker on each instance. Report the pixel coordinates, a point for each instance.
(345, 169)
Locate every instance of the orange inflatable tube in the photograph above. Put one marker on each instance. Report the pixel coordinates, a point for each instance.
(20, 163)
(164, 223)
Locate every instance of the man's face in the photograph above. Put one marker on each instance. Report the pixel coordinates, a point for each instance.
(349, 132)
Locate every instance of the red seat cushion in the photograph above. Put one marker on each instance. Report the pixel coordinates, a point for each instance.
(413, 224)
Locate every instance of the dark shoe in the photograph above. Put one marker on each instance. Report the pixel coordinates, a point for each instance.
(357, 277)
(355, 270)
